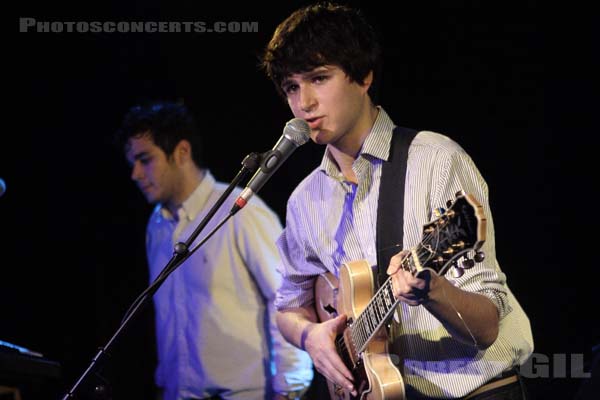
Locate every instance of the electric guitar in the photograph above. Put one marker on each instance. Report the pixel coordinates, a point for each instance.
(363, 345)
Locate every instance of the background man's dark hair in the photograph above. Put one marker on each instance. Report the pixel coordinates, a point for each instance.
(324, 34)
(166, 123)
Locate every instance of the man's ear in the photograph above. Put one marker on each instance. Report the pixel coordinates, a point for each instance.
(367, 82)
(182, 152)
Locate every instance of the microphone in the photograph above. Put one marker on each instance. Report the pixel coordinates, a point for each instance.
(295, 133)
(2, 187)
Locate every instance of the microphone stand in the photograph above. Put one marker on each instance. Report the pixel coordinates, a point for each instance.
(181, 253)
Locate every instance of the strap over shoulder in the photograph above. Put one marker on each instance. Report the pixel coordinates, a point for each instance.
(390, 206)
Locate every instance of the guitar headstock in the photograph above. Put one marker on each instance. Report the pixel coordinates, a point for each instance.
(455, 232)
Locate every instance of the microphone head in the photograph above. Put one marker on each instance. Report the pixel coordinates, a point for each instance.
(297, 130)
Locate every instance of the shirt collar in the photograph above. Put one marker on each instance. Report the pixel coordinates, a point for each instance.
(376, 144)
(192, 206)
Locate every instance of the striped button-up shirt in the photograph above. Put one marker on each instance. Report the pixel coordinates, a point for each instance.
(331, 221)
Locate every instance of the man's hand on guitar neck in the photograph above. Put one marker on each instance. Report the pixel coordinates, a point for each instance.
(408, 288)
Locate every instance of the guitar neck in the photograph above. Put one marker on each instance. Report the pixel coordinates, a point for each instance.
(374, 316)
(382, 305)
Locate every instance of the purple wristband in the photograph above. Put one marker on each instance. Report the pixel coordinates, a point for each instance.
(303, 337)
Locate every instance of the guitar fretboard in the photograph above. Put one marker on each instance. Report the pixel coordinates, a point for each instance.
(377, 312)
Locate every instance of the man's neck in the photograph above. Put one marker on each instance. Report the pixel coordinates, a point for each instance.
(345, 151)
(189, 183)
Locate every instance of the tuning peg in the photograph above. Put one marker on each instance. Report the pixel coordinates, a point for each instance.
(467, 263)
(479, 256)
(439, 211)
(448, 251)
(457, 272)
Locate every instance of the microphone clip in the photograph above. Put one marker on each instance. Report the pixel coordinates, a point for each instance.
(252, 161)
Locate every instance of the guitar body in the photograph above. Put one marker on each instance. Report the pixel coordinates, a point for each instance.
(375, 375)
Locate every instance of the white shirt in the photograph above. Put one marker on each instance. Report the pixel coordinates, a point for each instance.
(215, 322)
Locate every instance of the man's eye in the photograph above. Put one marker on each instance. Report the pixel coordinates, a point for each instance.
(290, 89)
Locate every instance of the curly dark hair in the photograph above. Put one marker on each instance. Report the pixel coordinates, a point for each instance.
(165, 122)
(323, 34)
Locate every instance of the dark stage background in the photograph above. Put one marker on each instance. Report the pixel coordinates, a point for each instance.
(512, 87)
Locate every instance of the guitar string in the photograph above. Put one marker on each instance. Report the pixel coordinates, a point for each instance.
(461, 318)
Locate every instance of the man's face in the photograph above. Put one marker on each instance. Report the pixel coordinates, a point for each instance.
(151, 169)
(327, 99)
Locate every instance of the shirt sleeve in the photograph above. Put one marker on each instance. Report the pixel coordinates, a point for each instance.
(257, 232)
(457, 171)
(300, 264)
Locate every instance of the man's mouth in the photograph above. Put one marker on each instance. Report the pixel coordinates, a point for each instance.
(314, 122)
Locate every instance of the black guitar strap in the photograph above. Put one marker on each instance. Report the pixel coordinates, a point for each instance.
(390, 207)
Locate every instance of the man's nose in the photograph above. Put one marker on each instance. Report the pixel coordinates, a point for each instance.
(308, 101)
(136, 171)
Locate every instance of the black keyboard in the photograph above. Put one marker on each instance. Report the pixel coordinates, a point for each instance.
(18, 364)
